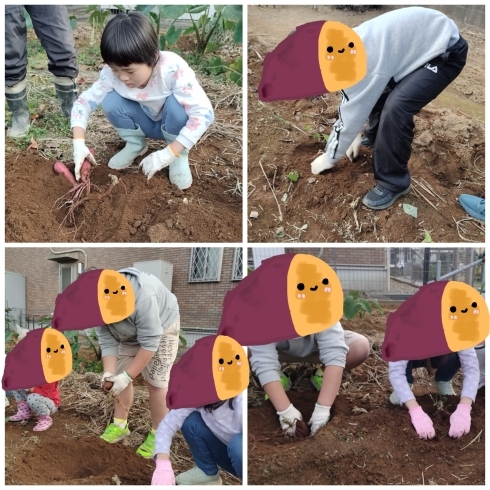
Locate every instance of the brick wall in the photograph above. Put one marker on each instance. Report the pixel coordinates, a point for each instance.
(200, 303)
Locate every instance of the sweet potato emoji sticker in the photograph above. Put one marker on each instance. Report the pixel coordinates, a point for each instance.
(288, 296)
(318, 57)
(96, 298)
(43, 356)
(215, 368)
(442, 317)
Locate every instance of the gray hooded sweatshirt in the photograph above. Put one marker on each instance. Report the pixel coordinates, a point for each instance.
(330, 344)
(396, 43)
(156, 309)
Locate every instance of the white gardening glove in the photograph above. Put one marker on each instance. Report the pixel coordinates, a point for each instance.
(121, 381)
(319, 418)
(321, 163)
(353, 149)
(158, 160)
(288, 419)
(106, 375)
(80, 153)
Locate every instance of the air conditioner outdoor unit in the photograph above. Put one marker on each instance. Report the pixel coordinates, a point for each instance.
(159, 268)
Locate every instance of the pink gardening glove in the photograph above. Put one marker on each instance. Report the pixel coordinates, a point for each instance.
(460, 421)
(422, 423)
(163, 474)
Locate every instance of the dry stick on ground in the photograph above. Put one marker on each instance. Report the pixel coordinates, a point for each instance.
(477, 437)
(458, 226)
(417, 192)
(273, 193)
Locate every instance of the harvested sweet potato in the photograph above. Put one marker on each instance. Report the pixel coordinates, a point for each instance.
(61, 169)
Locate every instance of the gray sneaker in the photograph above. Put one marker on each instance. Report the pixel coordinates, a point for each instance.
(381, 198)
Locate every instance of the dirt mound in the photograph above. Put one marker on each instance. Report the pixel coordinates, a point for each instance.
(367, 441)
(212, 212)
(448, 159)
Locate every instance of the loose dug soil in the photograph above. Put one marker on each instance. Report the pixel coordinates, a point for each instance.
(448, 154)
(137, 211)
(65, 455)
(367, 441)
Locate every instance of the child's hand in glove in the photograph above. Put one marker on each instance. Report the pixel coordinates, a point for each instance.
(353, 149)
(163, 474)
(319, 418)
(288, 419)
(105, 383)
(158, 160)
(80, 153)
(121, 381)
(422, 423)
(460, 421)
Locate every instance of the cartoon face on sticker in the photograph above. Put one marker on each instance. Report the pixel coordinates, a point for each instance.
(465, 316)
(56, 355)
(115, 295)
(341, 55)
(230, 367)
(315, 295)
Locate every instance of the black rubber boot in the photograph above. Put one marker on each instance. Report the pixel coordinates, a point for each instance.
(17, 104)
(66, 90)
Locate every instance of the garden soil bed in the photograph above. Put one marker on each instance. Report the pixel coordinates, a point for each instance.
(448, 154)
(368, 441)
(137, 211)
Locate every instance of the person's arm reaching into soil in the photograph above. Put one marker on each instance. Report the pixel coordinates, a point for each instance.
(264, 362)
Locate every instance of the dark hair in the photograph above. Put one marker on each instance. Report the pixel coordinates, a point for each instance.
(129, 38)
(214, 406)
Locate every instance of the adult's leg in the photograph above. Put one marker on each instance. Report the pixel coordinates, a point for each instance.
(393, 144)
(52, 26)
(372, 125)
(207, 450)
(15, 45)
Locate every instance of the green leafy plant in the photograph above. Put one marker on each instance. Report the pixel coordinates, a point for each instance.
(320, 137)
(97, 19)
(182, 341)
(293, 176)
(427, 237)
(354, 305)
(235, 71)
(10, 322)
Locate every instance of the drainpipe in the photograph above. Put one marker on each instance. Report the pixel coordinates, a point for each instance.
(73, 250)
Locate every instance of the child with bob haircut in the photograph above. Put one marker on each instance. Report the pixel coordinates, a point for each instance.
(145, 93)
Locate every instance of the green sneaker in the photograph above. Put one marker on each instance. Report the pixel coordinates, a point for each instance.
(113, 433)
(286, 383)
(148, 447)
(317, 379)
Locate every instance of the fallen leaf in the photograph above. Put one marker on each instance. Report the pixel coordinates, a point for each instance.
(284, 197)
(34, 116)
(254, 214)
(359, 410)
(410, 210)
(41, 107)
(33, 145)
(304, 227)
(311, 180)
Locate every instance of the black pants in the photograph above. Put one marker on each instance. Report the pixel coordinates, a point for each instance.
(390, 124)
(52, 26)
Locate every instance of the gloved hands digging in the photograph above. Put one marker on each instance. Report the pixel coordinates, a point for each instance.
(80, 153)
(422, 423)
(460, 421)
(157, 161)
(288, 419)
(163, 474)
(121, 381)
(319, 418)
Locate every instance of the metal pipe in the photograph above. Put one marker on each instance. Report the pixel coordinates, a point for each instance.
(73, 250)
(451, 274)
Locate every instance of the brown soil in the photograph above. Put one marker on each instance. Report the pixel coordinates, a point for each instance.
(448, 153)
(59, 456)
(130, 215)
(376, 445)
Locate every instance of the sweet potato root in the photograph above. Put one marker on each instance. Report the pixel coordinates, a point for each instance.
(86, 168)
